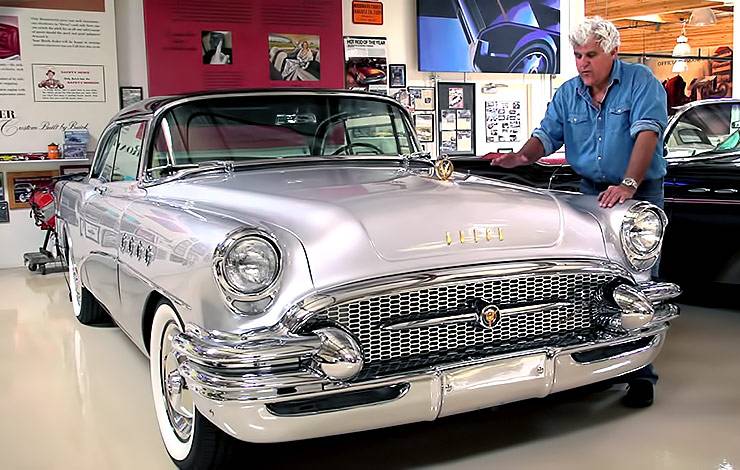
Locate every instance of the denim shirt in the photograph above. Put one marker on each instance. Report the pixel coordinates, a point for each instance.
(598, 142)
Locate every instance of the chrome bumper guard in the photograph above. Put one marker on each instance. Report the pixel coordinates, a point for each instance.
(239, 388)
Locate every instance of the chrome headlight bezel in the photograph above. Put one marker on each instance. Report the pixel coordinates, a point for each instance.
(222, 252)
(638, 258)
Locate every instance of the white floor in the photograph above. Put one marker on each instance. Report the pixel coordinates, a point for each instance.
(76, 397)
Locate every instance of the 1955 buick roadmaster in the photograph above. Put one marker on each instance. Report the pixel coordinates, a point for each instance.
(294, 267)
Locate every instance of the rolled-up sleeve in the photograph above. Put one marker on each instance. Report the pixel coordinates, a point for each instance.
(550, 132)
(649, 109)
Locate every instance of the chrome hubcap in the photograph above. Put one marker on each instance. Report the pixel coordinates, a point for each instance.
(178, 398)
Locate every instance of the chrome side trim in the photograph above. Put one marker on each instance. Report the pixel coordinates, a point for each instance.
(702, 201)
(246, 352)
(295, 318)
(471, 316)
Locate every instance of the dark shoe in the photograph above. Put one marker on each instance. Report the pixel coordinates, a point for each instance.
(640, 394)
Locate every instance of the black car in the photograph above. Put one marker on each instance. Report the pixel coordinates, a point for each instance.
(702, 193)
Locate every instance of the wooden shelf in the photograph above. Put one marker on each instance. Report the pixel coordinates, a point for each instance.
(57, 160)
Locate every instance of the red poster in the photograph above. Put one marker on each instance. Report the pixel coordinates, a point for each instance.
(227, 44)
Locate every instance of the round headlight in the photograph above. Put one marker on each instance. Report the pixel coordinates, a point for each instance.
(251, 265)
(643, 228)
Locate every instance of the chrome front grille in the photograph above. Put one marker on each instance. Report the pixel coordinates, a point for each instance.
(422, 346)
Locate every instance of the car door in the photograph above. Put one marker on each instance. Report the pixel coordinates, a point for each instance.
(113, 186)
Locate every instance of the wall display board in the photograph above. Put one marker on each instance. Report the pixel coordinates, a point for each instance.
(366, 64)
(505, 113)
(521, 36)
(456, 118)
(55, 56)
(242, 44)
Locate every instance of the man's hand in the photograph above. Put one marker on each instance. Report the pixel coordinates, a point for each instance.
(615, 194)
(506, 160)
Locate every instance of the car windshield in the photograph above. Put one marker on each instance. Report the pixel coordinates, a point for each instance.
(279, 126)
(711, 127)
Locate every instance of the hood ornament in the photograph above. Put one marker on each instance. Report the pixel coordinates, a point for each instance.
(444, 168)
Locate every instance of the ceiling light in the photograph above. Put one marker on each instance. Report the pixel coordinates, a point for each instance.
(682, 48)
(702, 17)
(680, 66)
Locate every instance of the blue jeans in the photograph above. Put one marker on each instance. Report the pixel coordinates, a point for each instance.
(652, 192)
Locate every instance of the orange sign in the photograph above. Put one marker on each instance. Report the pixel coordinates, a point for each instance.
(367, 12)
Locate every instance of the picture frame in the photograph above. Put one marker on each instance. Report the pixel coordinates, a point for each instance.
(72, 169)
(130, 94)
(397, 74)
(424, 125)
(422, 98)
(20, 184)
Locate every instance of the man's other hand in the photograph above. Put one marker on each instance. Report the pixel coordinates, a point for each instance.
(506, 160)
(615, 194)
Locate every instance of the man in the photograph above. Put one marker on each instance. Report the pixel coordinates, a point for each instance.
(611, 118)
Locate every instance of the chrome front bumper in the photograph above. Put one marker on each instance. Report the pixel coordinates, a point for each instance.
(243, 393)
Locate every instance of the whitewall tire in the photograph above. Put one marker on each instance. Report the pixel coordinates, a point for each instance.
(191, 441)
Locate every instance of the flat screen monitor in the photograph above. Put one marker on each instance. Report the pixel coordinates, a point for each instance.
(503, 36)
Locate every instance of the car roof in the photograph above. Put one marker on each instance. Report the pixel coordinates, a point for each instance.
(149, 106)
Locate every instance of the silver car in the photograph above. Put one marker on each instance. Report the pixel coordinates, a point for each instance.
(294, 267)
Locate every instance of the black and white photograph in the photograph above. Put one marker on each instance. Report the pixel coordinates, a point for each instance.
(130, 95)
(464, 121)
(216, 47)
(424, 124)
(449, 142)
(398, 75)
(448, 121)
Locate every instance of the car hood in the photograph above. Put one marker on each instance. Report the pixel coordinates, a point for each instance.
(375, 221)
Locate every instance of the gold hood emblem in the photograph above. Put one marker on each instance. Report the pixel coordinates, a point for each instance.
(444, 168)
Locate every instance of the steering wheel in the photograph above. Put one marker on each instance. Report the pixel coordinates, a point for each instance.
(343, 148)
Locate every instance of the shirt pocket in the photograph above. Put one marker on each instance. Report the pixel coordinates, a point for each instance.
(618, 120)
(579, 127)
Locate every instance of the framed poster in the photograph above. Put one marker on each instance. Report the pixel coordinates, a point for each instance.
(130, 95)
(398, 75)
(424, 124)
(456, 118)
(20, 185)
(422, 98)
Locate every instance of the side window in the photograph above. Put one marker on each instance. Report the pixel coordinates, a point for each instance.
(103, 166)
(128, 151)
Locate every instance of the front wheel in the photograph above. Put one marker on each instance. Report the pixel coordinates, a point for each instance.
(192, 441)
(84, 305)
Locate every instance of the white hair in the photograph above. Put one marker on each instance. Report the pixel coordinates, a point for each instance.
(605, 33)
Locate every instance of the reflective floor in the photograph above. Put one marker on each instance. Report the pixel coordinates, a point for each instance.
(76, 397)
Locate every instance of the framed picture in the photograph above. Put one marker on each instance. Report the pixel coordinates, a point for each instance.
(130, 95)
(422, 98)
(21, 183)
(72, 169)
(424, 124)
(398, 75)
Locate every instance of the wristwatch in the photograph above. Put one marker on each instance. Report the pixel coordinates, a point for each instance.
(630, 183)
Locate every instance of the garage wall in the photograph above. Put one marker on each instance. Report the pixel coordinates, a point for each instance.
(400, 29)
